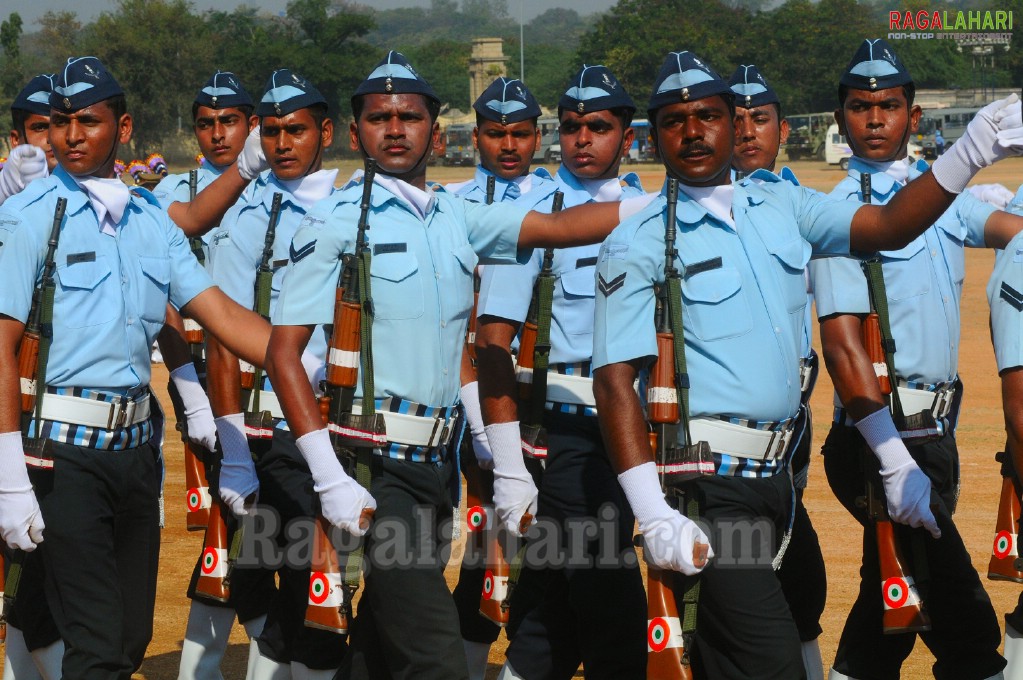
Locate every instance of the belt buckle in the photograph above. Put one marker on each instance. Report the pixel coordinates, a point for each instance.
(941, 400)
(124, 413)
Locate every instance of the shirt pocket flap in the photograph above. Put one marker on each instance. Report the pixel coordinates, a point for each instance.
(466, 257)
(580, 282)
(712, 286)
(83, 275)
(794, 253)
(915, 246)
(156, 268)
(394, 266)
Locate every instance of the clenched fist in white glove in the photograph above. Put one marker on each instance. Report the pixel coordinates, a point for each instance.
(470, 395)
(514, 492)
(995, 194)
(995, 132)
(21, 523)
(239, 486)
(25, 164)
(252, 161)
(202, 431)
(343, 502)
(906, 487)
(670, 540)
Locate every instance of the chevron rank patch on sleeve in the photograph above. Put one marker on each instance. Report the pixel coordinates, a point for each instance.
(1012, 296)
(609, 288)
(303, 252)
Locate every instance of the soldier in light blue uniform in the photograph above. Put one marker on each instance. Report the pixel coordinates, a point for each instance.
(740, 251)
(295, 130)
(94, 462)
(31, 156)
(556, 622)
(760, 132)
(506, 137)
(425, 244)
(221, 115)
(1005, 297)
(923, 281)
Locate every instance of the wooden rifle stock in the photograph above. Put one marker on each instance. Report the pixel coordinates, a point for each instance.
(197, 490)
(326, 608)
(1004, 564)
(39, 321)
(213, 561)
(903, 608)
(667, 656)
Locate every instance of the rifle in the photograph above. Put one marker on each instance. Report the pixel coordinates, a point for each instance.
(668, 635)
(33, 353)
(903, 609)
(1005, 563)
(259, 423)
(353, 435)
(34, 347)
(213, 563)
(193, 331)
(535, 353)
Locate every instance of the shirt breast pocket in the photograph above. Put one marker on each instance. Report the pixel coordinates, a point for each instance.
(793, 257)
(464, 281)
(907, 272)
(154, 288)
(87, 296)
(579, 288)
(397, 286)
(952, 244)
(715, 307)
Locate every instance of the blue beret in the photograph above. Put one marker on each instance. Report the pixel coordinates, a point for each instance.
(875, 67)
(35, 96)
(82, 82)
(395, 75)
(507, 100)
(750, 88)
(684, 77)
(287, 92)
(223, 91)
(595, 88)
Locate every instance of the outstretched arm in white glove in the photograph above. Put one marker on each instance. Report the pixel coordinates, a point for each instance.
(995, 132)
(470, 395)
(995, 194)
(25, 164)
(515, 494)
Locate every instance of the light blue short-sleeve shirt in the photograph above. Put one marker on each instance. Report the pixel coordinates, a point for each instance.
(421, 279)
(923, 280)
(111, 291)
(1005, 296)
(237, 249)
(743, 289)
(506, 292)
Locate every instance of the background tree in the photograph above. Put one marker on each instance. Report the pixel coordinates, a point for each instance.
(12, 76)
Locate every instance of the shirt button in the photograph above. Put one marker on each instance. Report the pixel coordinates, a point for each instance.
(934, 253)
(777, 330)
(445, 371)
(443, 324)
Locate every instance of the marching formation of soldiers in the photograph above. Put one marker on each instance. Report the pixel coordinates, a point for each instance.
(591, 357)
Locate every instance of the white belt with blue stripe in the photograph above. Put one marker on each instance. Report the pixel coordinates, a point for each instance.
(105, 415)
(741, 441)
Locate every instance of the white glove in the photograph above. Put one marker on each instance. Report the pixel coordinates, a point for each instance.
(21, 523)
(342, 499)
(202, 431)
(995, 194)
(25, 164)
(670, 539)
(906, 486)
(474, 419)
(315, 370)
(514, 491)
(995, 132)
(252, 161)
(239, 487)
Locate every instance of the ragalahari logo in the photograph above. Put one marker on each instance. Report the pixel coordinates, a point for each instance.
(991, 26)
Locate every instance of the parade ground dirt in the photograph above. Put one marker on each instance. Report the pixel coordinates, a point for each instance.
(981, 435)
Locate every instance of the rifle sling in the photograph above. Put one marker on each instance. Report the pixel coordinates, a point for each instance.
(542, 351)
(879, 297)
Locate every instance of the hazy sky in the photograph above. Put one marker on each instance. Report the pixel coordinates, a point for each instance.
(88, 9)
